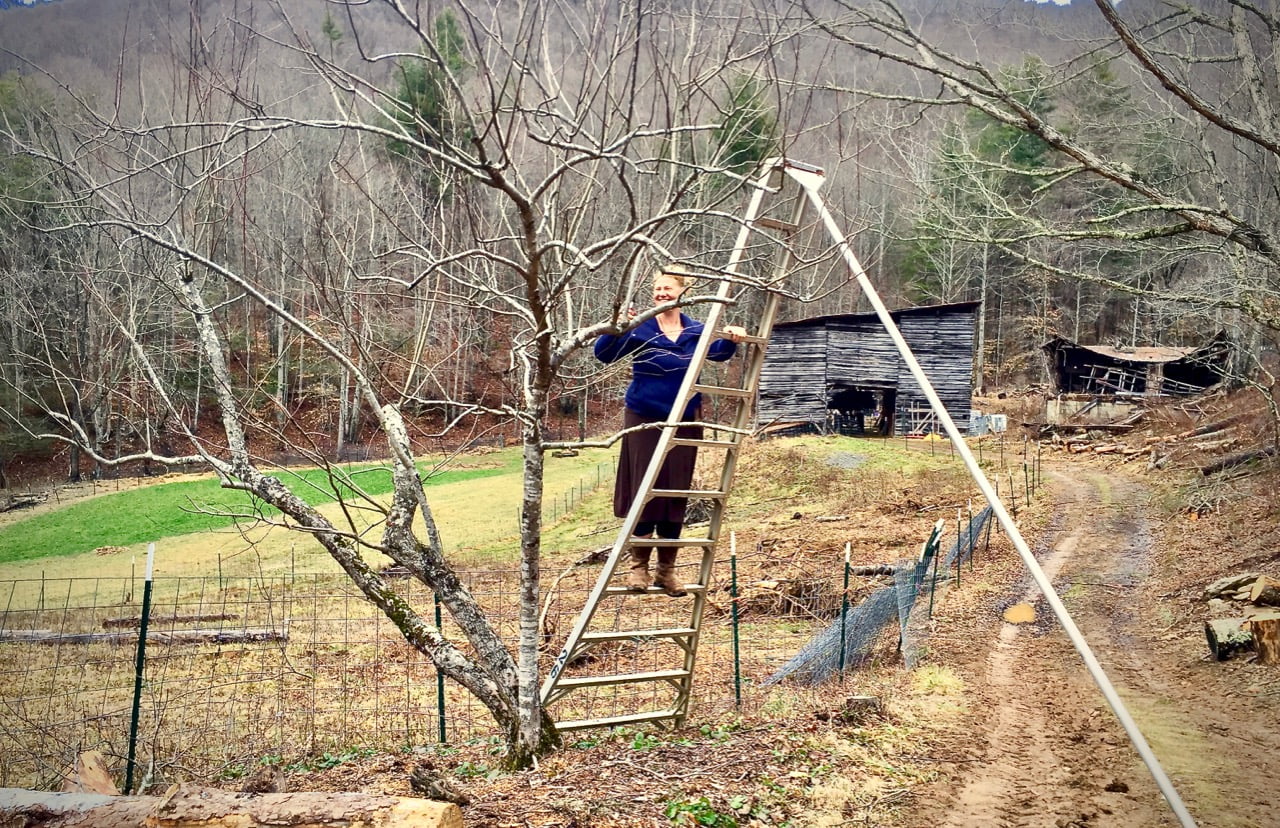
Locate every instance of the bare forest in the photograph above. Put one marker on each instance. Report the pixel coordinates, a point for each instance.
(244, 233)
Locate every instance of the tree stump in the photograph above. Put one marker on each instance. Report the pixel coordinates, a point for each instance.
(1266, 639)
(1226, 637)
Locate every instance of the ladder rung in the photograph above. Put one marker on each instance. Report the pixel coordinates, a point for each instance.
(621, 678)
(755, 340)
(672, 542)
(710, 494)
(614, 721)
(722, 391)
(653, 590)
(689, 441)
(626, 635)
(775, 224)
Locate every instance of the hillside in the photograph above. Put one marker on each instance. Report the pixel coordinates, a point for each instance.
(998, 722)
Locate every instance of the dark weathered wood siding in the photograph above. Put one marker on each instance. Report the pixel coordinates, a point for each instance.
(810, 360)
(943, 345)
(793, 382)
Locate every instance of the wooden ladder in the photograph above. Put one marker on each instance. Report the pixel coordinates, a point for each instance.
(777, 209)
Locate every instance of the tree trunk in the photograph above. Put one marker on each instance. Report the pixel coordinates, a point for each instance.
(1266, 639)
(532, 732)
(188, 806)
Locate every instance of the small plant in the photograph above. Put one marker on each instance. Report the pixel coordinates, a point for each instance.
(471, 770)
(698, 811)
(645, 741)
(586, 744)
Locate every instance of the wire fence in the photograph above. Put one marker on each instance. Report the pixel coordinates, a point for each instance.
(300, 671)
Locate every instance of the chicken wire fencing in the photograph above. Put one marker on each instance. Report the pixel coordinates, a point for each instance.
(297, 671)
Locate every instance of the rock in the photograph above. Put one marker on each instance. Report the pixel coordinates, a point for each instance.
(1229, 585)
(1217, 606)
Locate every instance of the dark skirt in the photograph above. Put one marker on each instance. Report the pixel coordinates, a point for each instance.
(676, 472)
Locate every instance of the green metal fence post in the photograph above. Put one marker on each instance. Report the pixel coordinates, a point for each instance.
(440, 682)
(733, 608)
(139, 663)
(844, 606)
(971, 547)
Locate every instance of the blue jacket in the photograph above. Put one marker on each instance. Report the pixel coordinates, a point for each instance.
(660, 364)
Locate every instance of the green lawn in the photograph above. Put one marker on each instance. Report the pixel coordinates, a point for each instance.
(181, 508)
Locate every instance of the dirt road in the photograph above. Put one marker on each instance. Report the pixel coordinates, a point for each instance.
(1044, 749)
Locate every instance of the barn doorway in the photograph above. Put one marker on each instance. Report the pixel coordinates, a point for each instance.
(861, 410)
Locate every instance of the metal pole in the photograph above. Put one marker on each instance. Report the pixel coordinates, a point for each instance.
(138, 664)
(733, 609)
(1024, 551)
(959, 547)
(844, 606)
(933, 586)
(443, 736)
(971, 549)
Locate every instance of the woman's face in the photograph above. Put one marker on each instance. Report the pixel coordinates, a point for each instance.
(666, 289)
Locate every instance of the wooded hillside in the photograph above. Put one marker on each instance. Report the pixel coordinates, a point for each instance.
(363, 240)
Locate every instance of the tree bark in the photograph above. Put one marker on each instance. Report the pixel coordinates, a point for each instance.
(188, 806)
(1226, 637)
(1266, 639)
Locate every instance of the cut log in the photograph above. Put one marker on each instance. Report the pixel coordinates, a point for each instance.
(1265, 591)
(1266, 639)
(189, 806)
(89, 775)
(1233, 460)
(244, 636)
(1227, 636)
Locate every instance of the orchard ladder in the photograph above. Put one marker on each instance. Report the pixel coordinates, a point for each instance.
(777, 209)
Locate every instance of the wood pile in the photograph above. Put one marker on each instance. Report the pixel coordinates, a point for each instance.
(1227, 439)
(1252, 624)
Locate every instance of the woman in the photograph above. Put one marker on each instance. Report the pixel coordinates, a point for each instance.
(662, 348)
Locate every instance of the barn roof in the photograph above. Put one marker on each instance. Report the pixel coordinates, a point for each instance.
(919, 310)
(1151, 354)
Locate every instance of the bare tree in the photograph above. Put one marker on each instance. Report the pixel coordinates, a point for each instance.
(567, 147)
(1158, 182)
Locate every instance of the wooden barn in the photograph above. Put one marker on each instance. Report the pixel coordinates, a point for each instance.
(842, 373)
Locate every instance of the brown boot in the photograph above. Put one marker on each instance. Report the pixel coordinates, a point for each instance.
(638, 577)
(665, 579)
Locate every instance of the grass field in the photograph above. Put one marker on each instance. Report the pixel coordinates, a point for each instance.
(475, 503)
(344, 683)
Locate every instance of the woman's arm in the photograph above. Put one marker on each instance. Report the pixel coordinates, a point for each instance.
(613, 347)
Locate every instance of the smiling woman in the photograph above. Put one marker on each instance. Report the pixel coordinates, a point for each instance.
(661, 348)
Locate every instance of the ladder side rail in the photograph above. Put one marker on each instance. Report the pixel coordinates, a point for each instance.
(627, 530)
(742, 417)
(997, 507)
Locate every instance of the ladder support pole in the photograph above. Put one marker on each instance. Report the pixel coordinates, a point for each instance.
(1024, 551)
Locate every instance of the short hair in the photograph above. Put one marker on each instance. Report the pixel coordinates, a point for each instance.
(676, 271)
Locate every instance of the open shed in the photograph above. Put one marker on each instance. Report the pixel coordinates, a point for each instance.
(1146, 371)
(842, 372)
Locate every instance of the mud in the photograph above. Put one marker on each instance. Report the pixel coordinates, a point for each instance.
(1046, 748)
